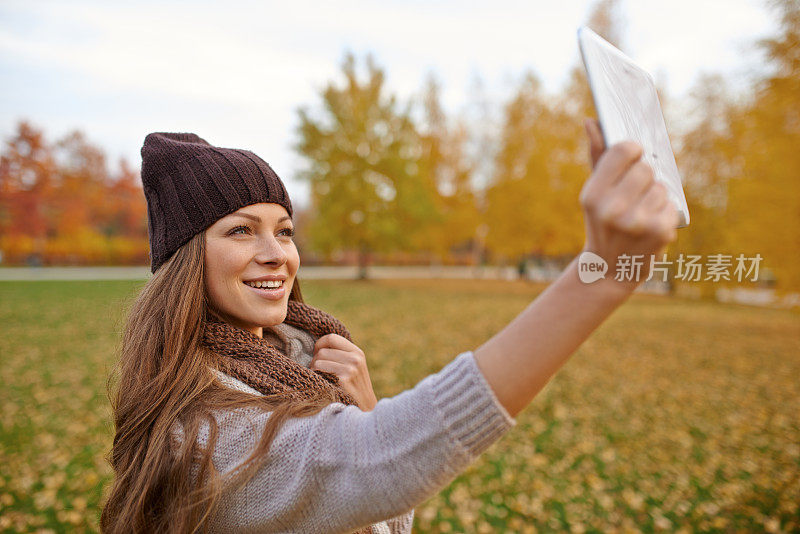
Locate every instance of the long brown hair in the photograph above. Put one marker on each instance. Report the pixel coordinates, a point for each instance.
(165, 382)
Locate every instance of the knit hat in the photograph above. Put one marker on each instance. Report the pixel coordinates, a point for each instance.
(189, 184)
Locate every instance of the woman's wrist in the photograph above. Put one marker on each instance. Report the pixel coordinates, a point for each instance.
(597, 273)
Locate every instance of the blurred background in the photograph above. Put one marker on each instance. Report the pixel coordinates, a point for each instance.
(407, 134)
(424, 144)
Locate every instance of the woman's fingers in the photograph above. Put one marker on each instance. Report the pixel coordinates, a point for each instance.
(634, 183)
(335, 341)
(339, 369)
(596, 144)
(616, 161)
(655, 197)
(346, 357)
(670, 220)
(611, 168)
(658, 209)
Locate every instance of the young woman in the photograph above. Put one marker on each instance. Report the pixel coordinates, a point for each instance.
(240, 408)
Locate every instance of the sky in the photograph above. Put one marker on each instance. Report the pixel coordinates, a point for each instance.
(236, 72)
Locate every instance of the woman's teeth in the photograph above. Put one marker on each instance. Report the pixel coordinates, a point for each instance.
(271, 284)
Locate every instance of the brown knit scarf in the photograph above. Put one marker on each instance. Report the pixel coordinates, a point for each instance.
(262, 366)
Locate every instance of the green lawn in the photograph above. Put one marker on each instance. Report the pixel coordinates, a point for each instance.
(675, 415)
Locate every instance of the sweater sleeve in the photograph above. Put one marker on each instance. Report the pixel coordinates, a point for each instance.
(401, 524)
(344, 469)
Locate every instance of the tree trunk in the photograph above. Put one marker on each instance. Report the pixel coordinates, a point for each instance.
(363, 260)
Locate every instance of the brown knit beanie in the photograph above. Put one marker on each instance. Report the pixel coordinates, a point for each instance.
(190, 184)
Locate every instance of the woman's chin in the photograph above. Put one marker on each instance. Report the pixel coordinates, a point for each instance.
(271, 319)
(260, 313)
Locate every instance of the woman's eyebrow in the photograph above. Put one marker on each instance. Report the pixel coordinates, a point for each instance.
(248, 216)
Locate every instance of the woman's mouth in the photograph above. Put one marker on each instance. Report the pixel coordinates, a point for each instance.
(270, 289)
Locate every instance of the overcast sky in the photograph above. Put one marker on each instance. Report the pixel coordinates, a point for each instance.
(235, 72)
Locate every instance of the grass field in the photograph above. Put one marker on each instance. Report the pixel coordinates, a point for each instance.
(674, 416)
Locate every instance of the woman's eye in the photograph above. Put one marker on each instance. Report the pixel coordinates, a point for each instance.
(239, 230)
(246, 230)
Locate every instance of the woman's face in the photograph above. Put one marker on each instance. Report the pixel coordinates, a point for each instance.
(243, 251)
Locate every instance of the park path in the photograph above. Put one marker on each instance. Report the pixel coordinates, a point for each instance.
(754, 297)
(310, 272)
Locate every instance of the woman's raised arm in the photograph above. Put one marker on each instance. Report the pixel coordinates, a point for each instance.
(626, 212)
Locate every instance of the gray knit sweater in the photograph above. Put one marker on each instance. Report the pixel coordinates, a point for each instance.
(343, 469)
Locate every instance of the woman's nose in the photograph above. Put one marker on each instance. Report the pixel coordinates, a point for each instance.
(270, 251)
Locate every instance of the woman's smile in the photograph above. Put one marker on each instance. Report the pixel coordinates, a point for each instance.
(268, 289)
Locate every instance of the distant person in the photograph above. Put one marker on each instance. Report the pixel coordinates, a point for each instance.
(522, 269)
(240, 408)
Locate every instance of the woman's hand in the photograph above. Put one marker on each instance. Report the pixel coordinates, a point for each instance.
(626, 211)
(335, 354)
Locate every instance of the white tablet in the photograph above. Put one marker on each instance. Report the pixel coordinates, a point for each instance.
(627, 106)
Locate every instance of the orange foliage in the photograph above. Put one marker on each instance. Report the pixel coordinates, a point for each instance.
(59, 204)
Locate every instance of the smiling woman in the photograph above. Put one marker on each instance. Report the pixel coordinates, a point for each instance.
(218, 335)
(240, 408)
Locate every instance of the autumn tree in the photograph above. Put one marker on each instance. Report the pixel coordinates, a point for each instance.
(444, 163)
(482, 144)
(27, 170)
(542, 162)
(128, 207)
(59, 204)
(763, 209)
(740, 163)
(81, 180)
(363, 155)
(706, 151)
(533, 199)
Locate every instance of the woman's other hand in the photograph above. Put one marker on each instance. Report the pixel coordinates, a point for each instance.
(336, 354)
(626, 210)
